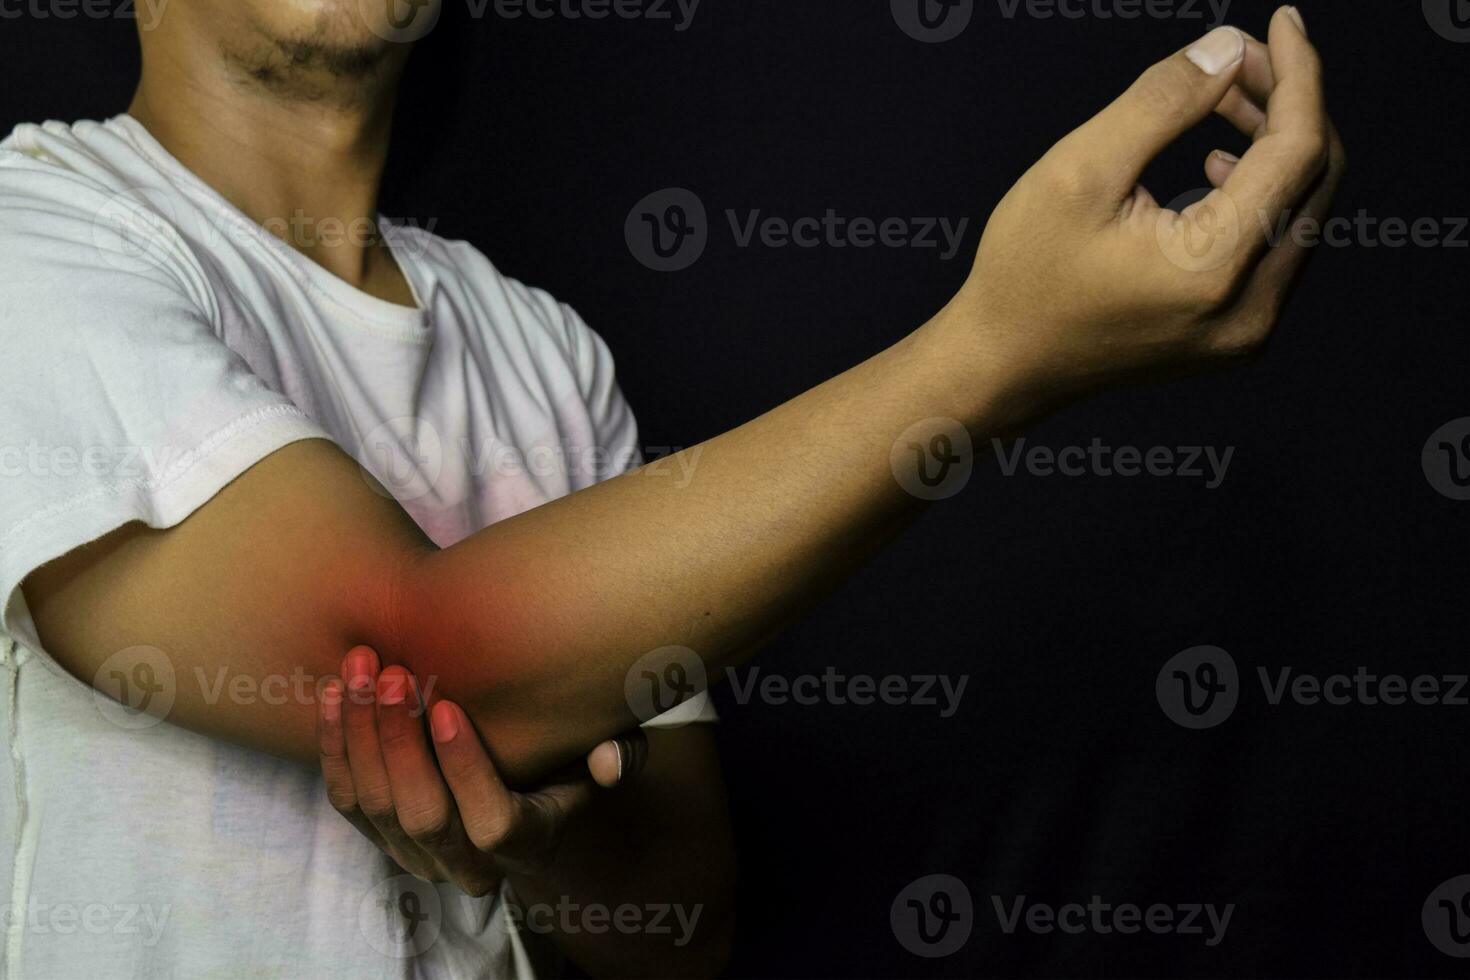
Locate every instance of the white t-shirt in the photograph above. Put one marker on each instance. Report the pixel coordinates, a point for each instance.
(154, 344)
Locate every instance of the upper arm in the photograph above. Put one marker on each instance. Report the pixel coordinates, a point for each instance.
(158, 493)
(250, 553)
(246, 604)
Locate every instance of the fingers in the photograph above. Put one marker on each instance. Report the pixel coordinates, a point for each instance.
(424, 808)
(1256, 77)
(1280, 268)
(1112, 149)
(1219, 165)
(1242, 112)
(1280, 167)
(421, 801)
(522, 830)
(486, 808)
(342, 793)
(618, 760)
(370, 781)
(332, 753)
(1244, 105)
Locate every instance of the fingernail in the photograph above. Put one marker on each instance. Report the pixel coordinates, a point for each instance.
(1296, 15)
(360, 665)
(443, 722)
(1227, 157)
(1217, 50)
(392, 685)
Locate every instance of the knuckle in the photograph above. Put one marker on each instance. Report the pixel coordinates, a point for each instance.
(1161, 90)
(343, 800)
(428, 826)
(379, 808)
(1065, 178)
(1209, 292)
(1312, 148)
(1245, 340)
(394, 738)
(488, 834)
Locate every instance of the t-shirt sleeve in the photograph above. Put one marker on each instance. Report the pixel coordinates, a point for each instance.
(615, 428)
(118, 400)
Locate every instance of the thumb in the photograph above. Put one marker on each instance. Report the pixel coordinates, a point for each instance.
(1170, 98)
(618, 760)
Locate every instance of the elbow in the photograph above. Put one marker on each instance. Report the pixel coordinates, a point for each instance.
(479, 635)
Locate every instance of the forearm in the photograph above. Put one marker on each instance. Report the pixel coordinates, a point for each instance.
(556, 605)
(532, 623)
(643, 882)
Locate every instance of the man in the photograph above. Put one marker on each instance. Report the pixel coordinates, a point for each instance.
(164, 294)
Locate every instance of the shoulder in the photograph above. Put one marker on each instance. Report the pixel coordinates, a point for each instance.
(73, 164)
(85, 198)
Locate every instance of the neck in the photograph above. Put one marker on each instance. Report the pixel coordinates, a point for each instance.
(300, 148)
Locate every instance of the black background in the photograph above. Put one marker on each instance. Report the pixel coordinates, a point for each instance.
(1325, 549)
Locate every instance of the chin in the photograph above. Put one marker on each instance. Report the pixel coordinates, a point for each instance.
(356, 28)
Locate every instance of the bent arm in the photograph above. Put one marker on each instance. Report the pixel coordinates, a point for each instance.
(1081, 282)
(532, 623)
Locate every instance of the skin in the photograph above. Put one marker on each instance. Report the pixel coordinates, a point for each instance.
(286, 109)
(532, 625)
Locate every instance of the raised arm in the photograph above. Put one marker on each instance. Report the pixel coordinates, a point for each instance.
(1082, 282)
